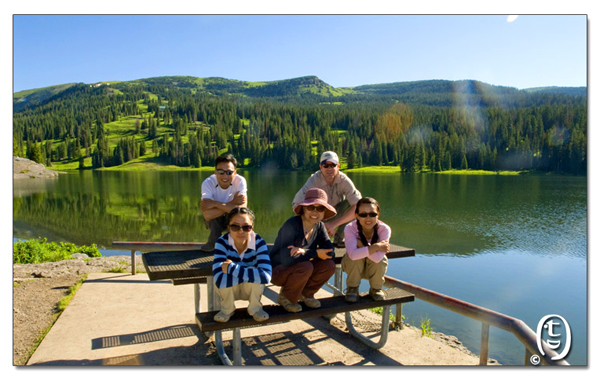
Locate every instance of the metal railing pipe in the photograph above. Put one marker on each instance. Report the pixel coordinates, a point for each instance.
(486, 316)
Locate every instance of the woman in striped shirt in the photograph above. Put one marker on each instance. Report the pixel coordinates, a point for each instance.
(241, 266)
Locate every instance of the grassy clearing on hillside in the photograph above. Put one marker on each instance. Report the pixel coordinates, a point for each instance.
(478, 172)
(374, 169)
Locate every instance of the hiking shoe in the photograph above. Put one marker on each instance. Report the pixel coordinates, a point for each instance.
(260, 315)
(287, 305)
(310, 302)
(352, 294)
(377, 294)
(208, 247)
(338, 242)
(222, 317)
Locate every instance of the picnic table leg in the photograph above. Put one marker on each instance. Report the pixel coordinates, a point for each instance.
(398, 320)
(385, 327)
(220, 349)
(210, 298)
(196, 298)
(237, 347)
(338, 280)
(133, 264)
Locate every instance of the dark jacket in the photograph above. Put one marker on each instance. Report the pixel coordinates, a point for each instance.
(292, 234)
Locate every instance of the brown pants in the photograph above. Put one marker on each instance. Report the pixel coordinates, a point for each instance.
(304, 278)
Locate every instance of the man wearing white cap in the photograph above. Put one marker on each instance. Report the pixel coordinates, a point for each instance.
(341, 193)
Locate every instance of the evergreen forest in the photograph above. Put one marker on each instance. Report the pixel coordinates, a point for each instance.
(416, 126)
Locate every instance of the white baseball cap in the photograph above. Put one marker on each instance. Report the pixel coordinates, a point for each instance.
(329, 156)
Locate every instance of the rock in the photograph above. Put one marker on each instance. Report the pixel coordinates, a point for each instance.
(80, 256)
(28, 169)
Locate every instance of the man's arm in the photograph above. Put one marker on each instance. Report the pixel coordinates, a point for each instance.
(346, 217)
(212, 209)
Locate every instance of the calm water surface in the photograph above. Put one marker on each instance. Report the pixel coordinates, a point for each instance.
(514, 244)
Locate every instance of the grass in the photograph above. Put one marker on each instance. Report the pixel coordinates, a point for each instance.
(426, 327)
(478, 172)
(40, 251)
(117, 269)
(65, 300)
(374, 169)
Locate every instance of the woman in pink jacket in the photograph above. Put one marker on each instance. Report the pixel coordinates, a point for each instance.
(367, 243)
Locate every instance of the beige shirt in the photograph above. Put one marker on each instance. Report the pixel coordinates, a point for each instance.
(342, 189)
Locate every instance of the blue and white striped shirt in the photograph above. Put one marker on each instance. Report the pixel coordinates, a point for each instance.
(253, 266)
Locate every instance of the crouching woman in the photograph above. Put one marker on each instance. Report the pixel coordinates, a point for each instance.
(302, 256)
(367, 243)
(241, 266)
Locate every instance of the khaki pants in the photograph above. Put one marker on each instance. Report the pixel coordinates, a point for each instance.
(364, 268)
(252, 292)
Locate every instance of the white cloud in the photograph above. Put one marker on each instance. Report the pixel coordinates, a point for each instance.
(511, 18)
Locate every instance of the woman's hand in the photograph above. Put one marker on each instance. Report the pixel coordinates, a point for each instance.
(296, 251)
(225, 264)
(324, 253)
(380, 246)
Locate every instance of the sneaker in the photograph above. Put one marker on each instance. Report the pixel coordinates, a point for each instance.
(222, 317)
(352, 294)
(287, 305)
(339, 243)
(310, 302)
(260, 315)
(208, 247)
(377, 294)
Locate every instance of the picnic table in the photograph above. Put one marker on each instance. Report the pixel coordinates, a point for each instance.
(193, 266)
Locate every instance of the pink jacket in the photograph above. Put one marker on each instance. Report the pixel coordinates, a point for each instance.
(351, 239)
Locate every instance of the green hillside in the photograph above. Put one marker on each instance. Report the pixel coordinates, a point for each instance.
(183, 122)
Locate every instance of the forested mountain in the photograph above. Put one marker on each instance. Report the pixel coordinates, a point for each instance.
(186, 121)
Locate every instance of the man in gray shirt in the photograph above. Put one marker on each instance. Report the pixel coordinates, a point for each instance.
(341, 193)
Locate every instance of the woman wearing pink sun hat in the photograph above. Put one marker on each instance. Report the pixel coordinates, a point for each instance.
(302, 256)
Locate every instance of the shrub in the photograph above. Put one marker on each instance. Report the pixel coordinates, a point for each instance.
(39, 251)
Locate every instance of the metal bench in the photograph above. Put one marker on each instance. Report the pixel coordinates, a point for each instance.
(277, 314)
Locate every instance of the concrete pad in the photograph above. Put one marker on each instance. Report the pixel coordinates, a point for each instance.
(123, 319)
(118, 316)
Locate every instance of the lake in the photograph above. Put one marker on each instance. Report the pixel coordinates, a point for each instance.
(513, 244)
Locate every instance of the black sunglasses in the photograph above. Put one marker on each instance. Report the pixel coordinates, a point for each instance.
(319, 208)
(364, 215)
(222, 172)
(236, 228)
(329, 165)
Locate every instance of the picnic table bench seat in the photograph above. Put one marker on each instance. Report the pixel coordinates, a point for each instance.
(277, 314)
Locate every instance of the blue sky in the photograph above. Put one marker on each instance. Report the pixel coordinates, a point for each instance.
(342, 50)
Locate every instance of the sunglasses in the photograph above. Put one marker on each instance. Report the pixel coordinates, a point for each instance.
(222, 172)
(319, 208)
(329, 165)
(364, 215)
(236, 228)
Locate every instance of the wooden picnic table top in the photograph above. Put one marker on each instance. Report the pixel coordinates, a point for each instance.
(196, 263)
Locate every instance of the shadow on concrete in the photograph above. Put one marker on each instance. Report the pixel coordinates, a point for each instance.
(167, 333)
(197, 354)
(128, 281)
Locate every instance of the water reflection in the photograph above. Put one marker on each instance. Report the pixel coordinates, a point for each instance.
(436, 214)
